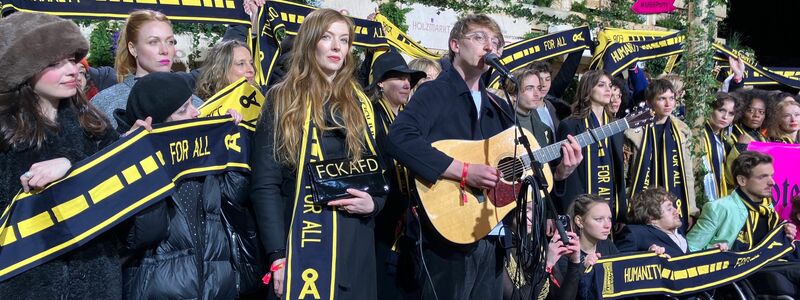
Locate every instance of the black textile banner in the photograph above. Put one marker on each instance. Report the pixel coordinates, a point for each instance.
(642, 274)
(755, 74)
(522, 53)
(114, 184)
(619, 56)
(209, 11)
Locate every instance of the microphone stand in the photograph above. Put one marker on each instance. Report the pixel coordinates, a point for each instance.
(537, 182)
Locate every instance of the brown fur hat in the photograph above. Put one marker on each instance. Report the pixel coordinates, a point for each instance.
(32, 41)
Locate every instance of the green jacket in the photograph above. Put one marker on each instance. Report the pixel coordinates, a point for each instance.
(720, 221)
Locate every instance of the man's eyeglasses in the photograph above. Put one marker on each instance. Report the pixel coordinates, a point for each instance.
(482, 38)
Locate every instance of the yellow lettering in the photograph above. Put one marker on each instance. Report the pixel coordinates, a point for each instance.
(549, 44)
(200, 147)
(179, 151)
(372, 165)
(309, 287)
(310, 228)
(340, 169)
(328, 170)
(309, 206)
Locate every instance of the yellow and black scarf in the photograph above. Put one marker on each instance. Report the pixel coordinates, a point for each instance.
(312, 251)
(761, 219)
(647, 273)
(600, 164)
(660, 163)
(785, 140)
(114, 184)
(754, 134)
(716, 151)
(387, 119)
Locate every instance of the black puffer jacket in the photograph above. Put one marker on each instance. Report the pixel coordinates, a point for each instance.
(179, 248)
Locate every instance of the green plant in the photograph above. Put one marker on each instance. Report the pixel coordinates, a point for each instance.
(700, 83)
(213, 32)
(392, 11)
(101, 42)
(675, 20)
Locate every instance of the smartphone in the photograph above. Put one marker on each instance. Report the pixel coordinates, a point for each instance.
(564, 220)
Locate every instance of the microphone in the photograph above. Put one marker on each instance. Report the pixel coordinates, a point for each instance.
(494, 61)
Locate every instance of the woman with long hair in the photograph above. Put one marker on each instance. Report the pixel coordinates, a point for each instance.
(46, 126)
(316, 114)
(601, 171)
(225, 63)
(146, 45)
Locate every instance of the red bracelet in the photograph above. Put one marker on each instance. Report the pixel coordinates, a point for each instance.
(464, 172)
(274, 268)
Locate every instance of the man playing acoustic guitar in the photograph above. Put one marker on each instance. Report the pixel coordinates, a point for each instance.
(457, 106)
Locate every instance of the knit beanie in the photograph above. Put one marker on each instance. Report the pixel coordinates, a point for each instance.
(156, 95)
(29, 42)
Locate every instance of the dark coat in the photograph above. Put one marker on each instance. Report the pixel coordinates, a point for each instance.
(575, 184)
(442, 109)
(272, 193)
(172, 260)
(634, 238)
(91, 271)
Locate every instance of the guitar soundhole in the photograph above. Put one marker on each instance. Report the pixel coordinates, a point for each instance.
(512, 168)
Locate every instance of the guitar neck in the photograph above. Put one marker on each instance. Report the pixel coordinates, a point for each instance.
(553, 151)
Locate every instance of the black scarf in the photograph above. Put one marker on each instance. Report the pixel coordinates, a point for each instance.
(661, 158)
(741, 129)
(761, 219)
(600, 164)
(713, 143)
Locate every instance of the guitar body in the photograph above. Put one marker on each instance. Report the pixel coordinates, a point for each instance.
(465, 223)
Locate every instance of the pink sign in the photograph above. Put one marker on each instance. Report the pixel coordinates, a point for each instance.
(787, 173)
(649, 7)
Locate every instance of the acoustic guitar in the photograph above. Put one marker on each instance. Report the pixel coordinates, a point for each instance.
(465, 223)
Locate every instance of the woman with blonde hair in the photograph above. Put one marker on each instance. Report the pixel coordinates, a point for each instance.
(146, 45)
(430, 67)
(225, 63)
(316, 114)
(784, 124)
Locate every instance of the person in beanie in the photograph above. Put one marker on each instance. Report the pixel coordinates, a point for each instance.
(46, 127)
(178, 248)
(146, 45)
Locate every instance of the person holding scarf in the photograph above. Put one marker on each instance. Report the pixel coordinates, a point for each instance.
(660, 153)
(744, 218)
(46, 127)
(392, 83)
(179, 247)
(716, 143)
(601, 170)
(784, 124)
(316, 113)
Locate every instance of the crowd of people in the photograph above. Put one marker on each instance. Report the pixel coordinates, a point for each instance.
(629, 192)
